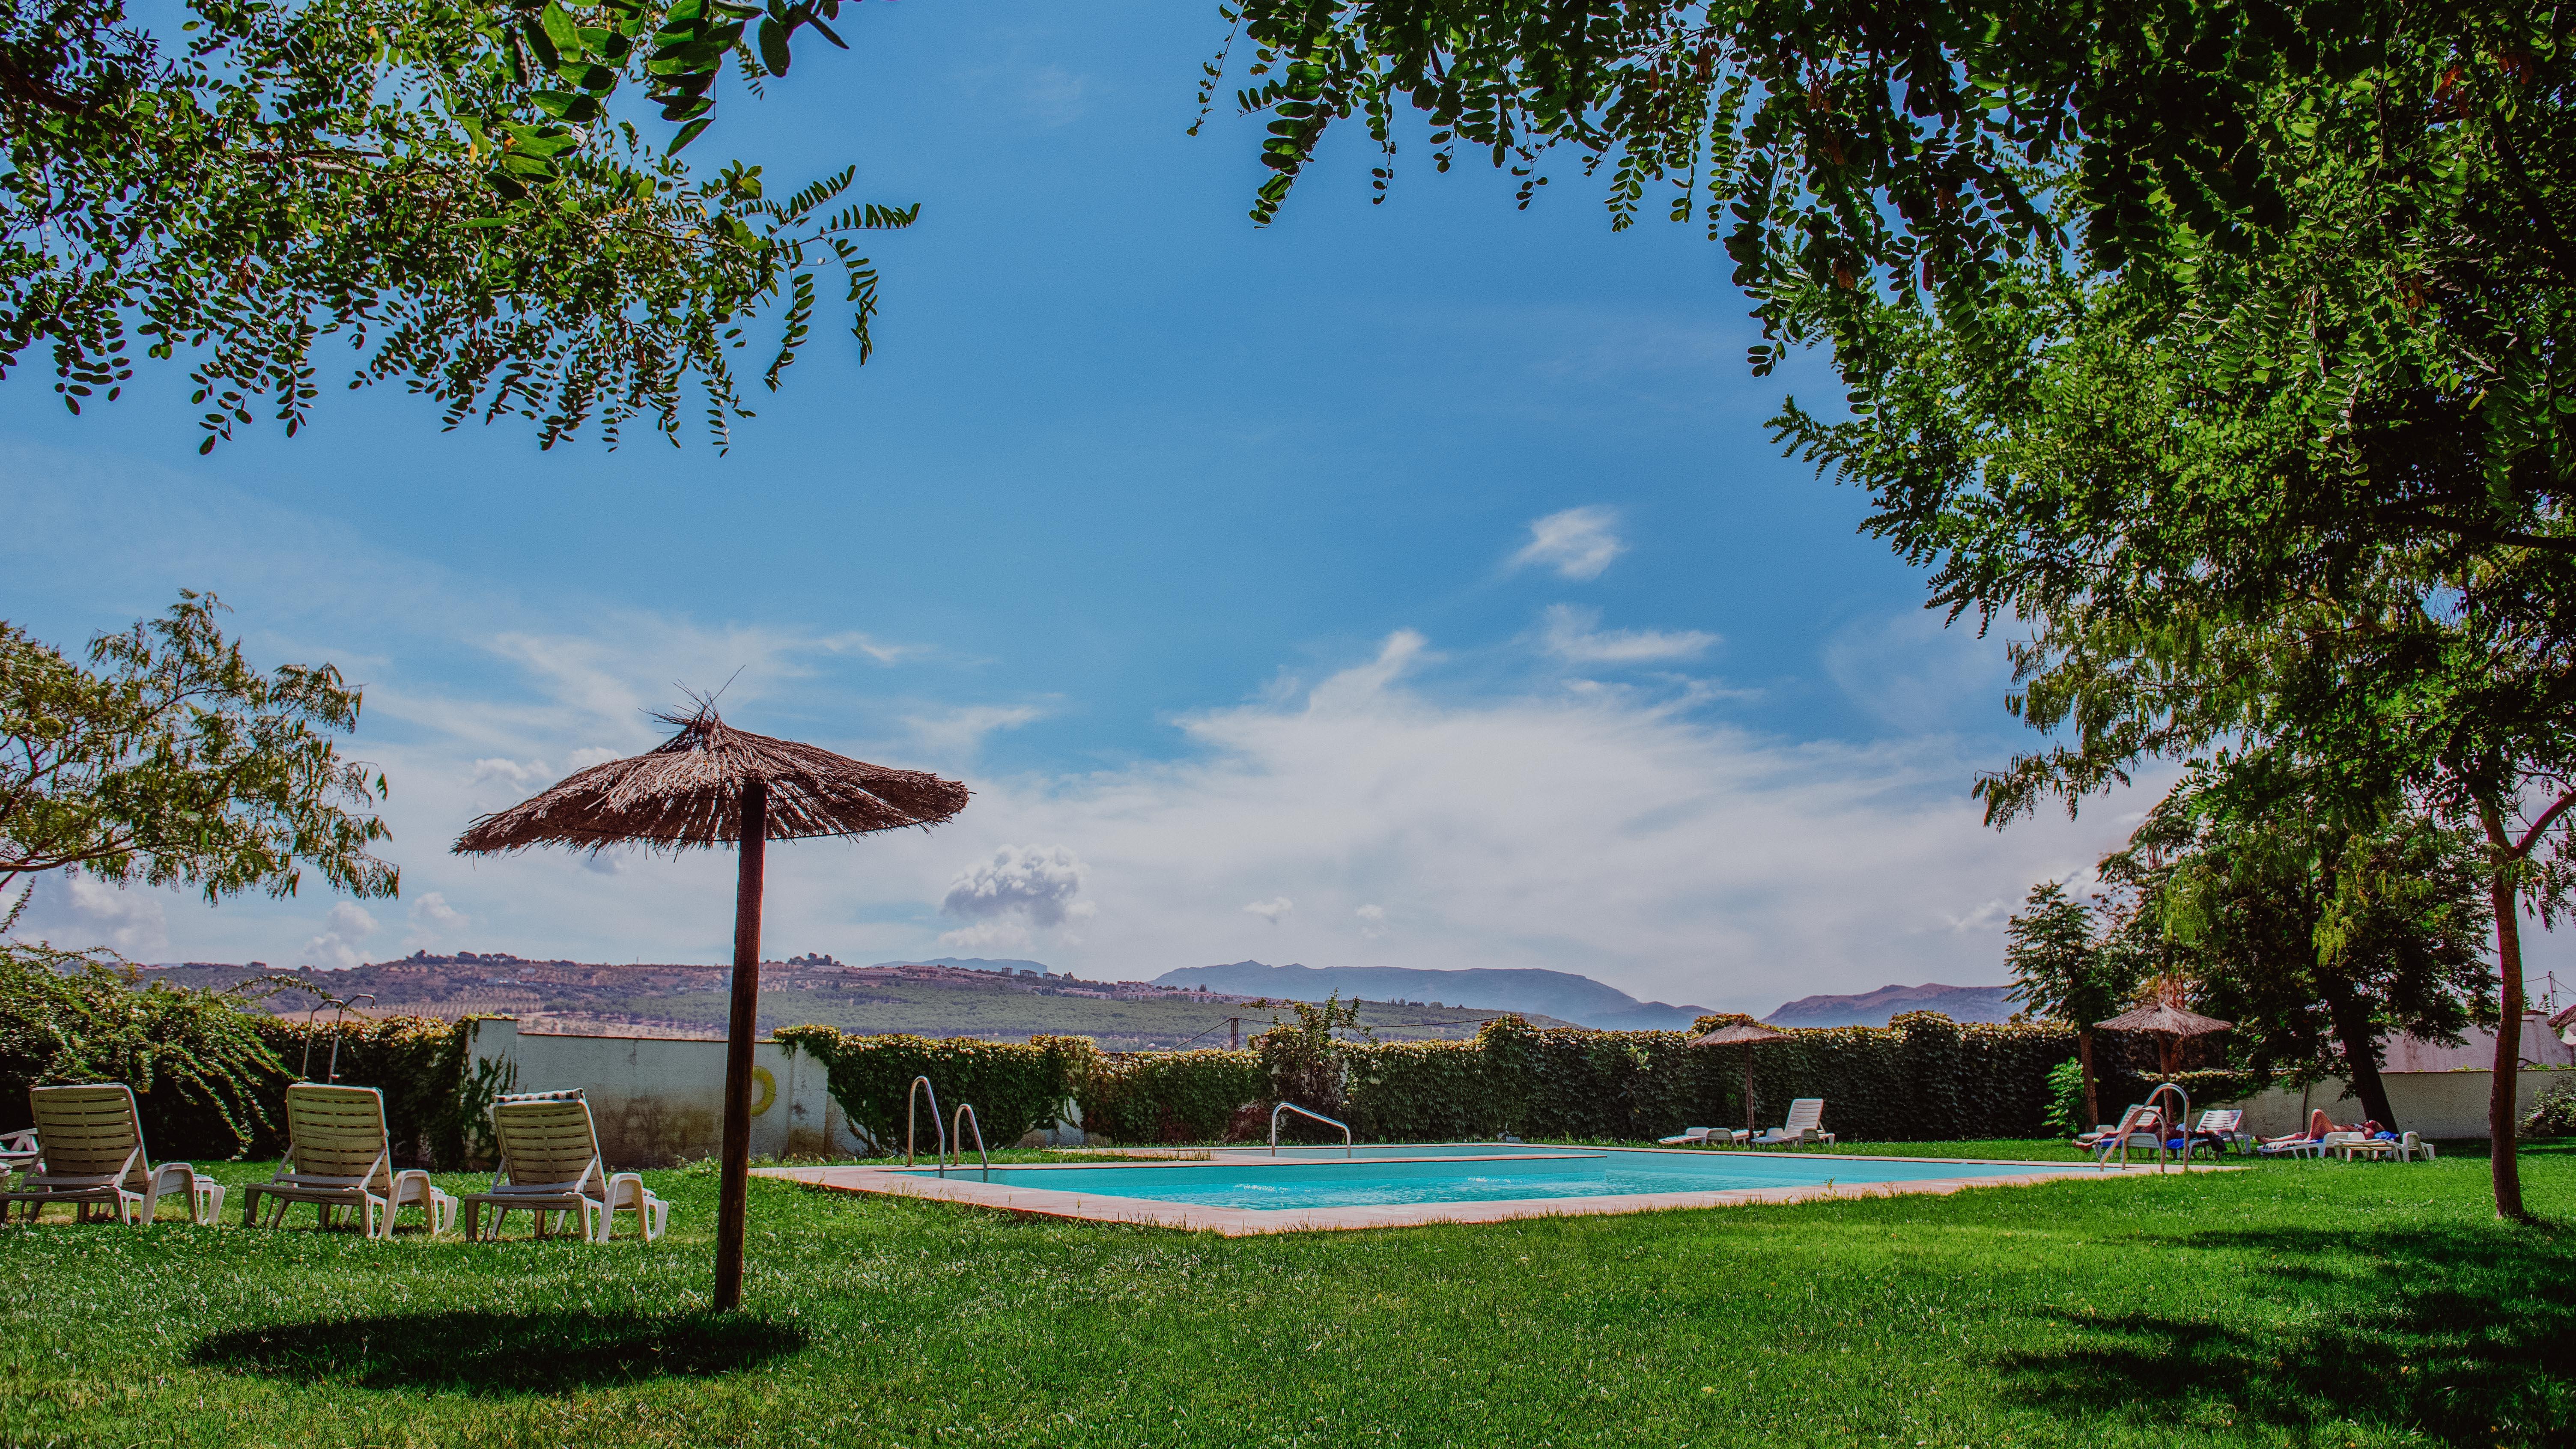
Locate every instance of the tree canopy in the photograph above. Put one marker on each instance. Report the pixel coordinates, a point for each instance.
(2064, 968)
(2317, 939)
(2224, 345)
(177, 763)
(476, 200)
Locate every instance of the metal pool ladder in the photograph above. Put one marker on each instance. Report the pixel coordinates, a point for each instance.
(912, 1098)
(966, 1118)
(332, 1073)
(1305, 1112)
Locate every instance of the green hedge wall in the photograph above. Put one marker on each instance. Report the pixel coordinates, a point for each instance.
(1014, 1086)
(1168, 1096)
(417, 1062)
(1924, 1077)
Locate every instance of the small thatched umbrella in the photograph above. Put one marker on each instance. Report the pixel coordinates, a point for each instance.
(2169, 1024)
(1748, 1035)
(710, 785)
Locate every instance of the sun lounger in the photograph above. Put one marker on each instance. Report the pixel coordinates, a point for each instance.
(2221, 1128)
(2142, 1126)
(17, 1150)
(550, 1164)
(1803, 1125)
(338, 1155)
(90, 1150)
(2408, 1144)
(1706, 1137)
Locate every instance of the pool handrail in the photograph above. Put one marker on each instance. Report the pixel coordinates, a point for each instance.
(911, 1095)
(1307, 1112)
(332, 1074)
(2181, 1124)
(966, 1116)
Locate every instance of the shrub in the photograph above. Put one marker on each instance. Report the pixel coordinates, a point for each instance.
(2066, 1081)
(198, 1065)
(1169, 1096)
(210, 1074)
(1014, 1086)
(2554, 1114)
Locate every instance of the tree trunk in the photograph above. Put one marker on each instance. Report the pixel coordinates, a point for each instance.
(2351, 1017)
(2084, 1055)
(733, 1186)
(2503, 1167)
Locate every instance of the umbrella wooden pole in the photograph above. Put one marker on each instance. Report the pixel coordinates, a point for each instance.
(1748, 1087)
(732, 1203)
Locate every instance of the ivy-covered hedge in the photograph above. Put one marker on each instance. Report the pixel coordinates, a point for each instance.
(432, 1114)
(1924, 1077)
(209, 1072)
(1014, 1086)
(1168, 1096)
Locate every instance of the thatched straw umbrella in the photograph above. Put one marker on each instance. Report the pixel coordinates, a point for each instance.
(710, 785)
(1748, 1035)
(2169, 1024)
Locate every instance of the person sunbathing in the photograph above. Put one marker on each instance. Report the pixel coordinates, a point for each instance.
(2318, 1126)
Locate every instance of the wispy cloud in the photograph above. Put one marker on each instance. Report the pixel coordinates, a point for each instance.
(960, 732)
(1578, 543)
(1572, 633)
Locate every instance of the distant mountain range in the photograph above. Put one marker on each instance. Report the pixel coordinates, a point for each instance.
(974, 963)
(1578, 999)
(1959, 1003)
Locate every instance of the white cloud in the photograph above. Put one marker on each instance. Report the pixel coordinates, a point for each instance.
(1038, 883)
(342, 931)
(434, 923)
(1578, 543)
(1915, 675)
(1573, 633)
(130, 921)
(511, 774)
(589, 755)
(960, 732)
(1629, 839)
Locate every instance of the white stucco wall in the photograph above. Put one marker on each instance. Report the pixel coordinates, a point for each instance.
(660, 1101)
(2436, 1104)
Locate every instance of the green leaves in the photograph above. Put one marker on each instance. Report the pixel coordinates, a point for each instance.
(445, 187)
(177, 763)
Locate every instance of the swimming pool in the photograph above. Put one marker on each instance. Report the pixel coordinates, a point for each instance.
(1238, 1191)
(1404, 1176)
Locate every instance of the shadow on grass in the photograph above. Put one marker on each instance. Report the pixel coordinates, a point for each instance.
(2466, 1335)
(501, 1353)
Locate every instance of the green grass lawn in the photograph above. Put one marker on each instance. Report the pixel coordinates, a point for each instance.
(2296, 1304)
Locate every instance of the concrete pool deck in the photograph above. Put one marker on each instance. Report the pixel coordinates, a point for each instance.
(1245, 1222)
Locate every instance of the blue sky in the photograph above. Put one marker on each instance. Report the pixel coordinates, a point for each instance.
(1424, 566)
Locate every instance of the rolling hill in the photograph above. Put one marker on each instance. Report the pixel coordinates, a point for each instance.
(1578, 999)
(1873, 1008)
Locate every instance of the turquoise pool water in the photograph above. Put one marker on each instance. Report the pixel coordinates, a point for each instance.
(1396, 1176)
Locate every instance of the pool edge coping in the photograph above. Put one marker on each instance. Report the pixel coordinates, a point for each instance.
(1253, 1222)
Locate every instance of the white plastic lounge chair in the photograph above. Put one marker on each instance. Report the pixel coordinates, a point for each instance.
(1804, 1124)
(1706, 1137)
(2142, 1126)
(2221, 1124)
(17, 1150)
(90, 1145)
(2408, 1144)
(338, 1155)
(550, 1163)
